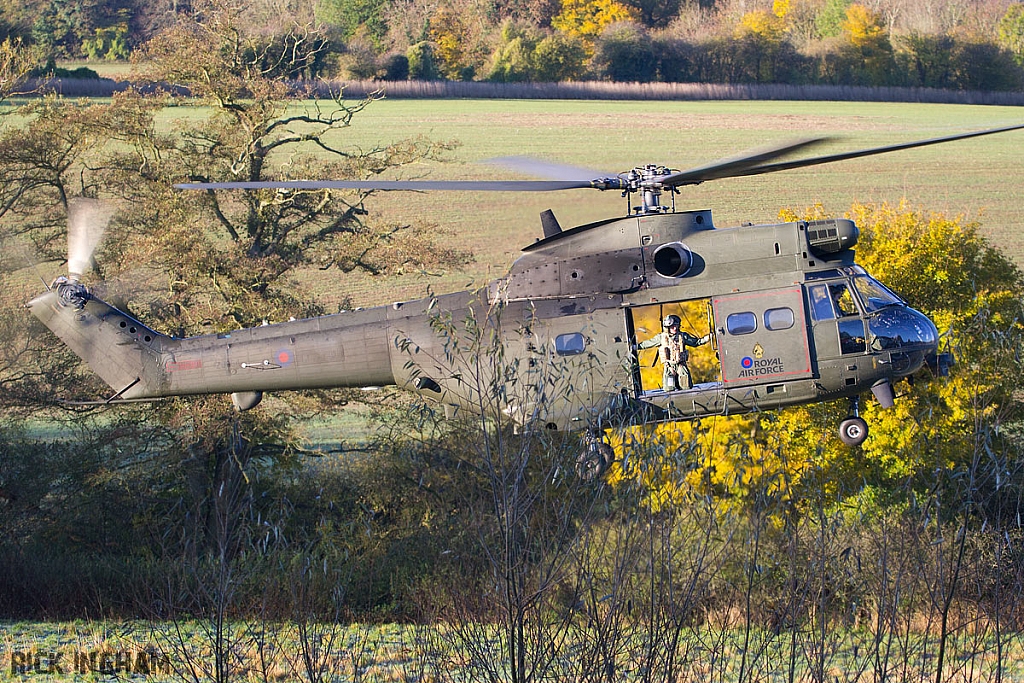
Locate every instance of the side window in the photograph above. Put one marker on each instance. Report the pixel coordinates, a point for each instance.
(741, 323)
(821, 303)
(779, 318)
(851, 336)
(571, 344)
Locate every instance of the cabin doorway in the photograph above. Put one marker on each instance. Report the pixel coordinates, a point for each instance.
(645, 323)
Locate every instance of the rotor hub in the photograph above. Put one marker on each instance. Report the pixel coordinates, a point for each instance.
(71, 293)
(646, 181)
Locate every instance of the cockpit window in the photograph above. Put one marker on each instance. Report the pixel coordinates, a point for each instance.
(821, 303)
(843, 299)
(873, 294)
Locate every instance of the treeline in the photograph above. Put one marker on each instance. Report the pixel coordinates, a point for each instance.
(948, 45)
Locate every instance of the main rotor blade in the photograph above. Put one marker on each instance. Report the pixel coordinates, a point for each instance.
(456, 185)
(734, 166)
(814, 161)
(547, 169)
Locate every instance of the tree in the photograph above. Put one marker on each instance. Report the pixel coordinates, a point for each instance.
(422, 62)
(15, 63)
(453, 42)
(527, 54)
(251, 128)
(587, 20)
(625, 53)
(928, 59)
(347, 17)
(655, 13)
(869, 42)
(1011, 31)
(762, 25)
(829, 21)
(210, 262)
(558, 58)
(513, 59)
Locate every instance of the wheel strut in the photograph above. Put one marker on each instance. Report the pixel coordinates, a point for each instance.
(853, 430)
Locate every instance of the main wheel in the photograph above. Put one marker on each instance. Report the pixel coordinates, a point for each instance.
(853, 431)
(594, 460)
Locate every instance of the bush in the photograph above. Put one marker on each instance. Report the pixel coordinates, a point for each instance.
(527, 55)
(559, 58)
(396, 68)
(512, 61)
(49, 70)
(984, 66)
(675, 61)
(926, 60)
(625, 53)
(422, 63)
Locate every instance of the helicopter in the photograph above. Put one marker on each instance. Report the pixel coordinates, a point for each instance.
(791, 316)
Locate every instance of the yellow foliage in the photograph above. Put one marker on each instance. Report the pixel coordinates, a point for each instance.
(762, 24)
(587, 19)
(863, 26)
(780, 8)
(695, 316)
(450, 34)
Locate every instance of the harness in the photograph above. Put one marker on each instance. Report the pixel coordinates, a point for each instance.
(673, 349)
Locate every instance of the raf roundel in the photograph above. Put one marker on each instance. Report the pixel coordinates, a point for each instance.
(747, 362)
(284, 357)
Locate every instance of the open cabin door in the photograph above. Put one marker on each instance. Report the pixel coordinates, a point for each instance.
(643, 323)
(762, 337)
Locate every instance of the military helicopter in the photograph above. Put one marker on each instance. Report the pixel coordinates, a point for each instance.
(792, 317)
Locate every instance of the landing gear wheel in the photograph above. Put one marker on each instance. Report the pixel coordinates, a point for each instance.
(594, 460)
(853, 431)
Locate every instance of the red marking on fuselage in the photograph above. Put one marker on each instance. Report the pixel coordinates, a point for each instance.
(173, 366)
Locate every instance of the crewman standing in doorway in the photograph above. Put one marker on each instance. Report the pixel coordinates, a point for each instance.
(672, 353)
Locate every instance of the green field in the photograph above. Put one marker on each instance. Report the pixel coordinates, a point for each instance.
(980, 178)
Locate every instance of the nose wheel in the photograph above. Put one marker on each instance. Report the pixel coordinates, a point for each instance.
(853, 430)
(595, 458)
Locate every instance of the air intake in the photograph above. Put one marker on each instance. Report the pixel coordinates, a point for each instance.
(831, 236)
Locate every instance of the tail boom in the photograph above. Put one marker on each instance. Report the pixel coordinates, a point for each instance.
(345, 350)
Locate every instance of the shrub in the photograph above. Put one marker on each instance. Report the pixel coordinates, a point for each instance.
(422, 64)
(984, 66)
(926, 60)
(559, 58)
(625, 52)
(396, 67)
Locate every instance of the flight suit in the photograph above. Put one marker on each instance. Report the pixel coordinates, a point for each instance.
(673, 355)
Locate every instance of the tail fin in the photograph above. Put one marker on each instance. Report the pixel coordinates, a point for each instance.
(121, 350)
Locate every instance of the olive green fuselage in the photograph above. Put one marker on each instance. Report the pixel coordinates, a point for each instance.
(553, 343)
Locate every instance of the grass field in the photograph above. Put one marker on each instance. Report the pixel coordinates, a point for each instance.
(980, 178)
(391, 653)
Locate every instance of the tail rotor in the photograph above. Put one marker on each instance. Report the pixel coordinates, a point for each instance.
(87, 222)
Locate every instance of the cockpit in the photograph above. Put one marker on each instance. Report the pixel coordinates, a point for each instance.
(868, 316)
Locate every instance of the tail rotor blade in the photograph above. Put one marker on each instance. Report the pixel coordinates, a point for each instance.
(87, 221)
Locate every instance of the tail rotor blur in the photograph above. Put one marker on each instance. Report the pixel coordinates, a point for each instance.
(87, 222)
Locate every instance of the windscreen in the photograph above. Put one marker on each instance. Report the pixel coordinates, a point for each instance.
(873, 294)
